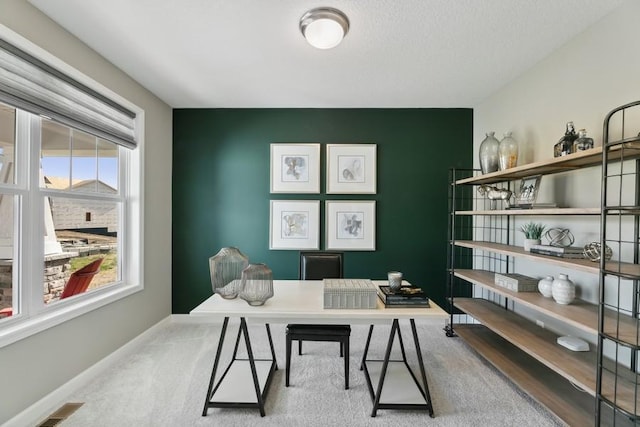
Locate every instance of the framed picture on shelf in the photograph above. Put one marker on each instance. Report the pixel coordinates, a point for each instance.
(350, 225)
(351, 168)
(294, 224)
(528, 191)
(295, 168)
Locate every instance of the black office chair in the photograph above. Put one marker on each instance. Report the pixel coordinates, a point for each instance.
(318, 266)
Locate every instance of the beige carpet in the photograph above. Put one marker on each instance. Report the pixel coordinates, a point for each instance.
(164, 383)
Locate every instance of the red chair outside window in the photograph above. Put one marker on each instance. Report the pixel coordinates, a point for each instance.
(78, 283)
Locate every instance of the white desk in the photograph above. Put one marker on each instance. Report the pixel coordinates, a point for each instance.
(302, 301)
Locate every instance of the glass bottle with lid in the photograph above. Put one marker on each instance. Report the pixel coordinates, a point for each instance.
(508, 152)
(583, 142)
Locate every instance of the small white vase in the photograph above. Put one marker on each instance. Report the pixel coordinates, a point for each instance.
(563, 290)
(545, 286)
(530, 242)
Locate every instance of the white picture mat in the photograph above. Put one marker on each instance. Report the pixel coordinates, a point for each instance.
(350, 225)
(294, 224)
(351, 168)
(295, 168)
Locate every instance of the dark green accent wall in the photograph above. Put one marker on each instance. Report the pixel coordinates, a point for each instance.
(221, 188)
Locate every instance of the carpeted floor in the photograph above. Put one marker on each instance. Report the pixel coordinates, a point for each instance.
(164, 383)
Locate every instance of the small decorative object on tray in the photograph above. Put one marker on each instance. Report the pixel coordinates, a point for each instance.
(349, 293)
(395, 280)
(406, 296)
(516, 282)
(558, 251)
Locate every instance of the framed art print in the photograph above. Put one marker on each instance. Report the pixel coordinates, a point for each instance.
(351, 225)
(294, 224)
(295, 168)
(351, 168)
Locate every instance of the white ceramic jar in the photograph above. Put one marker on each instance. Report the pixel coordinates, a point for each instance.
(544, 286)
(563, 289)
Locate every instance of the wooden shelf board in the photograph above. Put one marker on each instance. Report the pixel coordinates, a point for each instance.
(573, 161)
(577, 264)
(577, 367)
(612, 267)
(538, 211)
(572, 406)
(580, 314)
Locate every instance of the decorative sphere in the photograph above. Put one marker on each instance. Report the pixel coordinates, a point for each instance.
(560, 237)
(593, 251)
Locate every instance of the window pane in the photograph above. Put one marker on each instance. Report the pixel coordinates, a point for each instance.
(107, 166)
(7, 144)
(55, 155)
(86, 230)
(7, 233)
(84, 161)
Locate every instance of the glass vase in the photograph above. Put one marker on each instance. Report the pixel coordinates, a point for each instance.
(226, 268)
(489, 159)
(256, 285)
(508, 152)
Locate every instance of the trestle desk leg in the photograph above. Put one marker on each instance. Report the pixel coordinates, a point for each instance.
(273, 353)
(423, 375)
(366, 347)
(385, 364)
(252, 363)
(215, 365)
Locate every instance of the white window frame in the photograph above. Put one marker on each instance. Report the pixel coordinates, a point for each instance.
(32, 316)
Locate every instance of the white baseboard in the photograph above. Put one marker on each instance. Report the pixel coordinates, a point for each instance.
(40, 410)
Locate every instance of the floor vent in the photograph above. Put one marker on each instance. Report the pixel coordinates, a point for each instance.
(60, 415)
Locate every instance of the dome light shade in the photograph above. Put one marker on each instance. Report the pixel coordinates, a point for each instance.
(324, 27)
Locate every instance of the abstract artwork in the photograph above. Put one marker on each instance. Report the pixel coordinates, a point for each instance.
(294, 224)
(295, 168)
(351, 168)
(350, 225)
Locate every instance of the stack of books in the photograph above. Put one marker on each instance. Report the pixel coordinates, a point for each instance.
(407, 296)
(558, 251)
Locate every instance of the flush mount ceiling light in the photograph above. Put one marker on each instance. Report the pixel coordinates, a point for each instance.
(324, 27)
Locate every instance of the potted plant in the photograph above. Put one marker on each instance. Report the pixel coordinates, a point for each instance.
(532, 234)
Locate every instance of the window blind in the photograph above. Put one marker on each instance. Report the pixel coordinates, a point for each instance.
(32, 85)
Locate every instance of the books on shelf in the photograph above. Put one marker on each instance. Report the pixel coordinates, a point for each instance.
(574, 252)
(407, 296)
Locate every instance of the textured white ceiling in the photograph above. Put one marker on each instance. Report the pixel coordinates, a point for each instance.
(398, 53)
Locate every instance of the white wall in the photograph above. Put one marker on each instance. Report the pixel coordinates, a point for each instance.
(581, 82)
(35, 366)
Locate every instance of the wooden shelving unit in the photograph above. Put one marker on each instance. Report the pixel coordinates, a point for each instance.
(566, 382)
